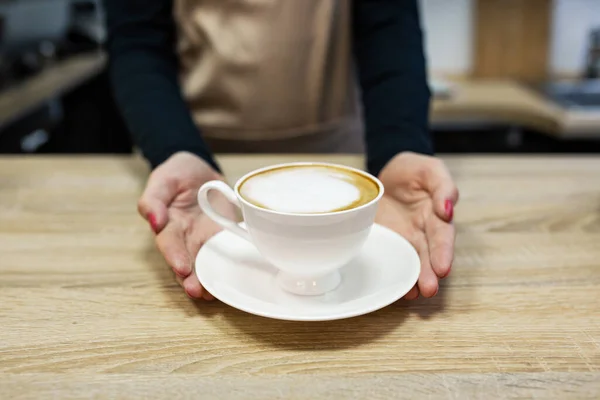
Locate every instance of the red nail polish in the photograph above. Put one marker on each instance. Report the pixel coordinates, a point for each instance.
(449, 208)
(153, 223)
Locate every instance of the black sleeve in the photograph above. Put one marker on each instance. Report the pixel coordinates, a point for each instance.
(143, 70)
(388, 46)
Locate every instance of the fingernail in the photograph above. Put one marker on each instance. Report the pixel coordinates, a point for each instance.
(153, 224)
(182, 268)
(193, 292)
(189, 294)
(449, 208)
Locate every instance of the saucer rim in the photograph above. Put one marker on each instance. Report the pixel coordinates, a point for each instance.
(397, 295)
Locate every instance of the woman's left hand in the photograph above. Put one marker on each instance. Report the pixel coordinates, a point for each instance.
(419, 204)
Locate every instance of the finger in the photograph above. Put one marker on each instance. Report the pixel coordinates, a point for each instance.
(440, 238)
(201, 231)
(155, 200)
(413, 293)
(171, 243)
(428, 281)
(192, 286)
(439, 183)
(193, 245)
(193, 242)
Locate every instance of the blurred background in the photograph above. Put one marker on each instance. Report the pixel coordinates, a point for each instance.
(508, 76)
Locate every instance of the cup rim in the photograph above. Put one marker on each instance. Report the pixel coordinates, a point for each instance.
(304, 163)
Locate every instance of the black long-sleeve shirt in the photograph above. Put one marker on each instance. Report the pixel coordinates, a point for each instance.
(388, 48)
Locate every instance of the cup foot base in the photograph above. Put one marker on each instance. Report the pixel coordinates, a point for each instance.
(309, 286)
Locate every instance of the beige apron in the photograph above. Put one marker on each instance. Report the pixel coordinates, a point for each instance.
(270, 75)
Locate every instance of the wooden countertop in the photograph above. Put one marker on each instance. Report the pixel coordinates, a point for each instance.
(507, 102)
(89, 309)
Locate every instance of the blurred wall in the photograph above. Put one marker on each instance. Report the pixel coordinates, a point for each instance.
(449, 35)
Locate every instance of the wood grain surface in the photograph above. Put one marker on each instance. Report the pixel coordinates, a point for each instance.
(88, 308)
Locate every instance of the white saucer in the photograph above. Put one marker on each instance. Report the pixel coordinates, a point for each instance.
(233, 271)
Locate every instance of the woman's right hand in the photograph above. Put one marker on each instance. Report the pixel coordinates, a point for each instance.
(169, 204)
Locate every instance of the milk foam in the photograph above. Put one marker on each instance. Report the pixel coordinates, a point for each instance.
(301, 190)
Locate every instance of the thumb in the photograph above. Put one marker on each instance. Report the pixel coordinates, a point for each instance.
(443, 191)
(155, 201)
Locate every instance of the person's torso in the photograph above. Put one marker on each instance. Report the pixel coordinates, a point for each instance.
(260, 69)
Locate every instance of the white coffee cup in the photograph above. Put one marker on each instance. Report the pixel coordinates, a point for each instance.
(307, 249)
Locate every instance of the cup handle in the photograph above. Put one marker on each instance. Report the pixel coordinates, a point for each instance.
(206, 207)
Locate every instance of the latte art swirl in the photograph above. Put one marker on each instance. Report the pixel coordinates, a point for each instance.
(308, 189)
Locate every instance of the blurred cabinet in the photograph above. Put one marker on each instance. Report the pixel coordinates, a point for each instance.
(66, 108)
(512, 39)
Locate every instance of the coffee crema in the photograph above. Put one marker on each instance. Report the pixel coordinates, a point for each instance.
(308, 189)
